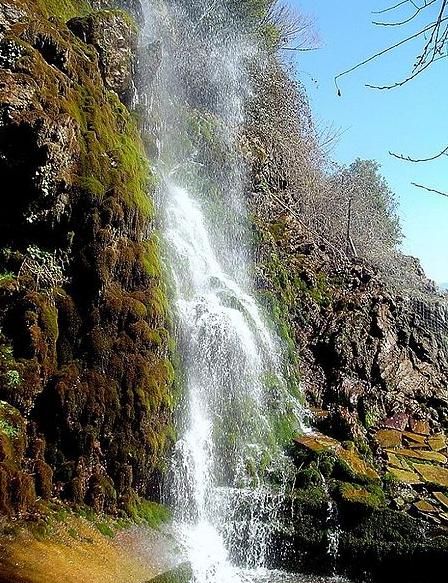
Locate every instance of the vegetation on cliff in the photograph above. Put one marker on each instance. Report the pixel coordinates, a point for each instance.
(85, 373)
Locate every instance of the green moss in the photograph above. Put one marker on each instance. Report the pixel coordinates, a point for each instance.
(64, 9)
(112, 152)
(6, 278)
(313, 496)
(11, 424)
(181, 574)
(149, 513)
(151, 257)
(92, 185)
(105, 529)
(369, 497)
(13, 379)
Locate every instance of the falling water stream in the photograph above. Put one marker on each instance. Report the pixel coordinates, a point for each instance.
(228, 455)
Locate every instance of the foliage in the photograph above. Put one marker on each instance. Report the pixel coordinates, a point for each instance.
(374, 224)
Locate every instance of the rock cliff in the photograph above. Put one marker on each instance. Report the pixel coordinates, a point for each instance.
(86, 383)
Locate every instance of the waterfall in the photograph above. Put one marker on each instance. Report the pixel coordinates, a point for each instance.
(229, 473)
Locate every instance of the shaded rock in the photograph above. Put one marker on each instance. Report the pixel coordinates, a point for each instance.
(442, 498)
(361, 497)
(425, 506)
(419, 426)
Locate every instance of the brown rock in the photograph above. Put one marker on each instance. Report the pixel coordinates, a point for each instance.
(425, 506)
(419, 426)
(115, 41)
(388, 438)
(415, 439)
(398, 421)
(357, 465)
(318, 442)
(430, 456)
(433, 474)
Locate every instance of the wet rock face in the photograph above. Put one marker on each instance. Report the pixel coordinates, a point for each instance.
(115, 40)
(85, 377)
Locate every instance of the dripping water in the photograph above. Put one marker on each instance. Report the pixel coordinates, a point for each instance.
(229, 475)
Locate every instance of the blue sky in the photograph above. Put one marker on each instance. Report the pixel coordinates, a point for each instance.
(411, 120)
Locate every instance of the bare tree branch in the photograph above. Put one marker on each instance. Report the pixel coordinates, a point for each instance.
(391, 7)
(407, 20)
(444, 152)
(384, 51)
(430, 189)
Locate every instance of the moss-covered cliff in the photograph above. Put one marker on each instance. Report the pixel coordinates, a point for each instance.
(86, 379)
(85, 376)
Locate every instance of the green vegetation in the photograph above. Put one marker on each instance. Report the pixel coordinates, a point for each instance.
(64, 9)
(8, 429)
(149, 513)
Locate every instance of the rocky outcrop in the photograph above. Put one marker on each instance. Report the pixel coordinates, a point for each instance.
(114, 38)
(85, 375)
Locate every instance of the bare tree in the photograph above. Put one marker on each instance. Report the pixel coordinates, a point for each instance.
(432, 16)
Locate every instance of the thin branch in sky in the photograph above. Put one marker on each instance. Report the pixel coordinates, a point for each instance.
(384, 51)
(390, 8)
(444, 152)
(430, 189)
(407, 20)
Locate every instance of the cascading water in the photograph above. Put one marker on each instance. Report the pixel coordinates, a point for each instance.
(236, 396)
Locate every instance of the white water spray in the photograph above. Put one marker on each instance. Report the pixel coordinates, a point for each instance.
(236, 395)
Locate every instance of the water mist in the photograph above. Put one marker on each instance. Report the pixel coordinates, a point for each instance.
(235, 395)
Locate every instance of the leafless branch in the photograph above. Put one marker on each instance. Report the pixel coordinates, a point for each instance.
(430, 189)
(390, 8)
(418, 10)
(384, 51)
(444, 152)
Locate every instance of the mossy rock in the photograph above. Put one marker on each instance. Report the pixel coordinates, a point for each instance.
(352, 465)
(318, 442)
(12, 434)
(389, 438)
(406, 476)
(361, 498)
(418, 454)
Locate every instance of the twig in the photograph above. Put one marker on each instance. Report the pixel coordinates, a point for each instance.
(407, 20)
(444, 152)
(430, 189)
(391, 7)
(383, 51)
